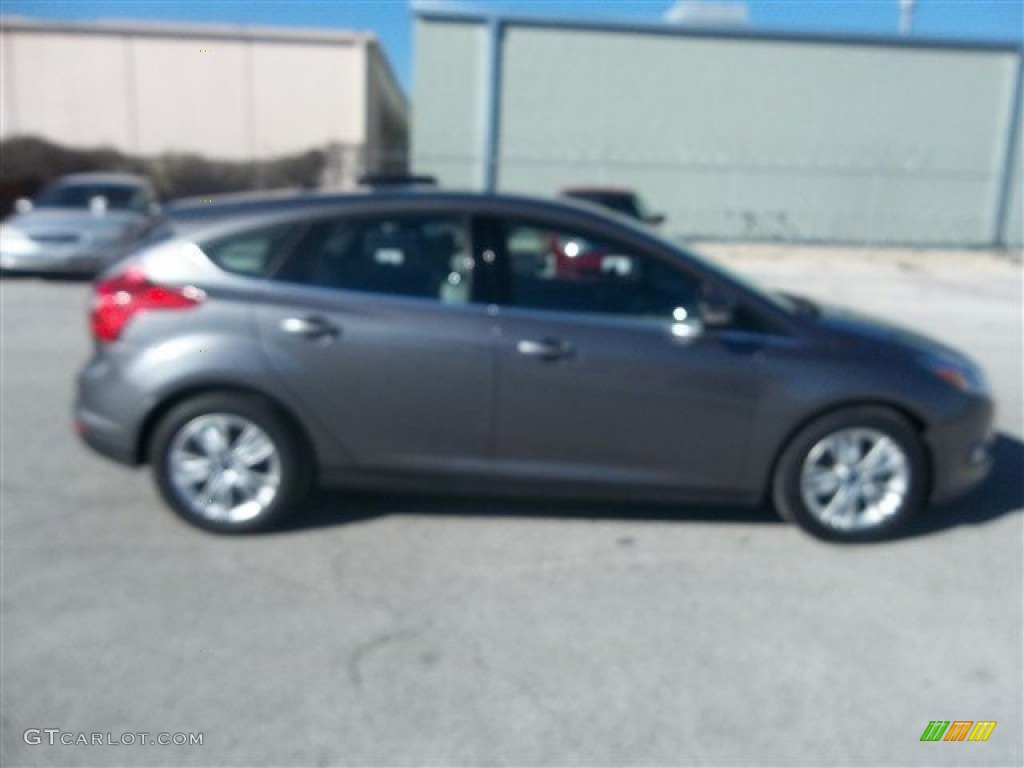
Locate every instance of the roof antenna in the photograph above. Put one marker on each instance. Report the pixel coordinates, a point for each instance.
(906, 16)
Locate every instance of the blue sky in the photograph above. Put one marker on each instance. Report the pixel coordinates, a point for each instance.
(391, 20)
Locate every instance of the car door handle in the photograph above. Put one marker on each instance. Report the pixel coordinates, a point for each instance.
(314, 327)
(546, 349)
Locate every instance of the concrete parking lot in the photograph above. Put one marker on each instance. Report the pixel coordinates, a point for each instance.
(401, 630)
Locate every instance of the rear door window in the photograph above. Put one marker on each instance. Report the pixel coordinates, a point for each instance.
(413, 256)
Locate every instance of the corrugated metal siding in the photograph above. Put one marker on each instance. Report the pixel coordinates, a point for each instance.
(447, 101)
(752, 139)
(1013, 228)
(740, 138)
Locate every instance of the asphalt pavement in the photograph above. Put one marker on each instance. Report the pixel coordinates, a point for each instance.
(404, 630)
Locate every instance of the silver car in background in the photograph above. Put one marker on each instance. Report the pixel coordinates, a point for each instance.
(78, 224)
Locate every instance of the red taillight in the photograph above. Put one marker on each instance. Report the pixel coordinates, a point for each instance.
(119, 298)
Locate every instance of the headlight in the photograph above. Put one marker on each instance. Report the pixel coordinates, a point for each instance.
(14, 241)
(958, 372)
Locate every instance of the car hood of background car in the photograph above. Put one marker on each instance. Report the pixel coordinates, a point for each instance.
(74, 219)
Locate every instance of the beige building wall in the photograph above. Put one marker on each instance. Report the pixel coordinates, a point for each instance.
(387, 135)
(310, 107)
(72, 84)
(189, 94)
(229, 93)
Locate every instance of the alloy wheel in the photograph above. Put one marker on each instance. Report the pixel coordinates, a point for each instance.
(855, 479)
(224, 467)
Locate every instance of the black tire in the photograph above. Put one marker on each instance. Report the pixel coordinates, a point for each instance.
(292, 459)
(789, 500)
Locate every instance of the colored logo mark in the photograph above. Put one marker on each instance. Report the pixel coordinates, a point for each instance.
(958, 730)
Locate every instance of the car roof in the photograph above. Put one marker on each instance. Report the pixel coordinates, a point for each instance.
(296, 196)
(201, 201)
(598, 190)
(199, 218)
(303, 200)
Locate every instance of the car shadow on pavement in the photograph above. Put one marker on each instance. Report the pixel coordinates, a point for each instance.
(1001, 494)
(329, 508)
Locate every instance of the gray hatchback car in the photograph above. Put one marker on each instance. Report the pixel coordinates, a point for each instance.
(437, 340)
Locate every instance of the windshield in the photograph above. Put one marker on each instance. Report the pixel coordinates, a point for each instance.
(121, 197)
(779, 300)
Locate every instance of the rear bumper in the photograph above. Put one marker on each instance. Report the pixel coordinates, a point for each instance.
(104, 437)
(107, 412)
(961, 450)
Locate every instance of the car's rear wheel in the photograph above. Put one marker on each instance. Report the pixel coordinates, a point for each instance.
(229, 463)
(857, 474)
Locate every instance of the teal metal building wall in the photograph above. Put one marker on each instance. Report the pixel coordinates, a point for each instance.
(733, 136)
(450, 74)
(1013, 224)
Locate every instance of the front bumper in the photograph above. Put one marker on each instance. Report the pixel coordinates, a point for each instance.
(961, 450)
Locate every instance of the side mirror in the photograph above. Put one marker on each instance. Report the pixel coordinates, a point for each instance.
(688, 329)
(686, 325)
(22, 205)
(656, 219)
(717, 309)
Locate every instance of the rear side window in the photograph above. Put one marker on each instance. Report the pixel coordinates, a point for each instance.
(421, 257)
(252, 253)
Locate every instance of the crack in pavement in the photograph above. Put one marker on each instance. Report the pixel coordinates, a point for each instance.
(358, 655)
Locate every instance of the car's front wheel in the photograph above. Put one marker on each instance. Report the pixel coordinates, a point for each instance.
(228, 463)
(856, 474)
